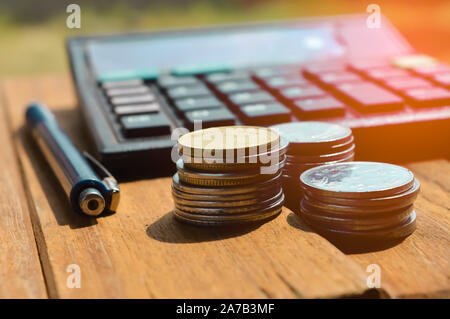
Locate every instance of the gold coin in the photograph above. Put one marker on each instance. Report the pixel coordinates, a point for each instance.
(225, 191)
(225, 141)
(206, 182)
(221, 179)
(223, 174)
(268, 158)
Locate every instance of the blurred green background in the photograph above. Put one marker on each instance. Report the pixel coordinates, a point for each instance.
(32, 33)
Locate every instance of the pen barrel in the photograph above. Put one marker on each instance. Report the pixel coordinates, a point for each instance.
(70, 167)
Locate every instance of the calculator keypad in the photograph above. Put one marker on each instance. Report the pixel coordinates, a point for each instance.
(269, 95)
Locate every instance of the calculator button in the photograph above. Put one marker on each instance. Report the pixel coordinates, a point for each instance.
(302, 92)
(406, 83)
(251, 97)
(430, 70)
(132, 90)
(227, 76)
(442, 79)
(136, 109)
(179, 92)
(319, 107)
(195, 103)
(369, 97)
(169, 81)
(237, 86)
(145, 125)
(424, 97)
(362, 65)
(275, 71)
(384, 73)
(132, 99)
(316, 69)
(211, 117)
(272, 112)
(121, 84)
(278, 82)
(338, 77)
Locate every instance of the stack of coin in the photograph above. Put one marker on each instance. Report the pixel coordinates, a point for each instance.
(359, 200)
(229, 175)
(312, 144)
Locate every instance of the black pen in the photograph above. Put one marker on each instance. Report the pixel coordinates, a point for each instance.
(78, 173)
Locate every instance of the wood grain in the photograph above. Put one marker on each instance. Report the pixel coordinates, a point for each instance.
(20, 270)
(420, 266)
(142, 252)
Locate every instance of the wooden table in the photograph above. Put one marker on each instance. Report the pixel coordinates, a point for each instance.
(142, 252)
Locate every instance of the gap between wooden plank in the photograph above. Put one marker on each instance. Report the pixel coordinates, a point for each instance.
(21, 274)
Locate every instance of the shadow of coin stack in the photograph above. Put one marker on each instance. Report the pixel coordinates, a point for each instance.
(229, 175)
(366, 201)
(311, 144)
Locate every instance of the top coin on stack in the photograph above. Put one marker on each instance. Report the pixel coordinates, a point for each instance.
(365, 200)
(228, 175)
(312, 144)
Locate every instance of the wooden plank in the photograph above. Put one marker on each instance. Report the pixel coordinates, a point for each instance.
(20, 270)
(420, 265)
(142, 252)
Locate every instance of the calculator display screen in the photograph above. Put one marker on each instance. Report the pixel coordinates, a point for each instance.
(199, 52)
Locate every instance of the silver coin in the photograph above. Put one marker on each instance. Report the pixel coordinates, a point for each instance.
(400, 231)
(402, 198)
(250, 214)
(357, 211)
(304, 166)
(192, 189)
(211, 203)
(248, 218)
(357, 180)
(323, 157)
(356, 224)
(353, 221)
(270, 191)
(193, 208)
(294, 170)
(311, 134)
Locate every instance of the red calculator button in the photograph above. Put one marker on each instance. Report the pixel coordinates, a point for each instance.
(338, 77)
(384, 73)
(319, 107)
(424, 97)
(442, 79)
(369, 97)
(432, 69)
(404, 83)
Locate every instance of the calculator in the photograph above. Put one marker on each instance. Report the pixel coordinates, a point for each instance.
(138, 91)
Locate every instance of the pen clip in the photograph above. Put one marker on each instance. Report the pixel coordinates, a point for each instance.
(107, 178)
